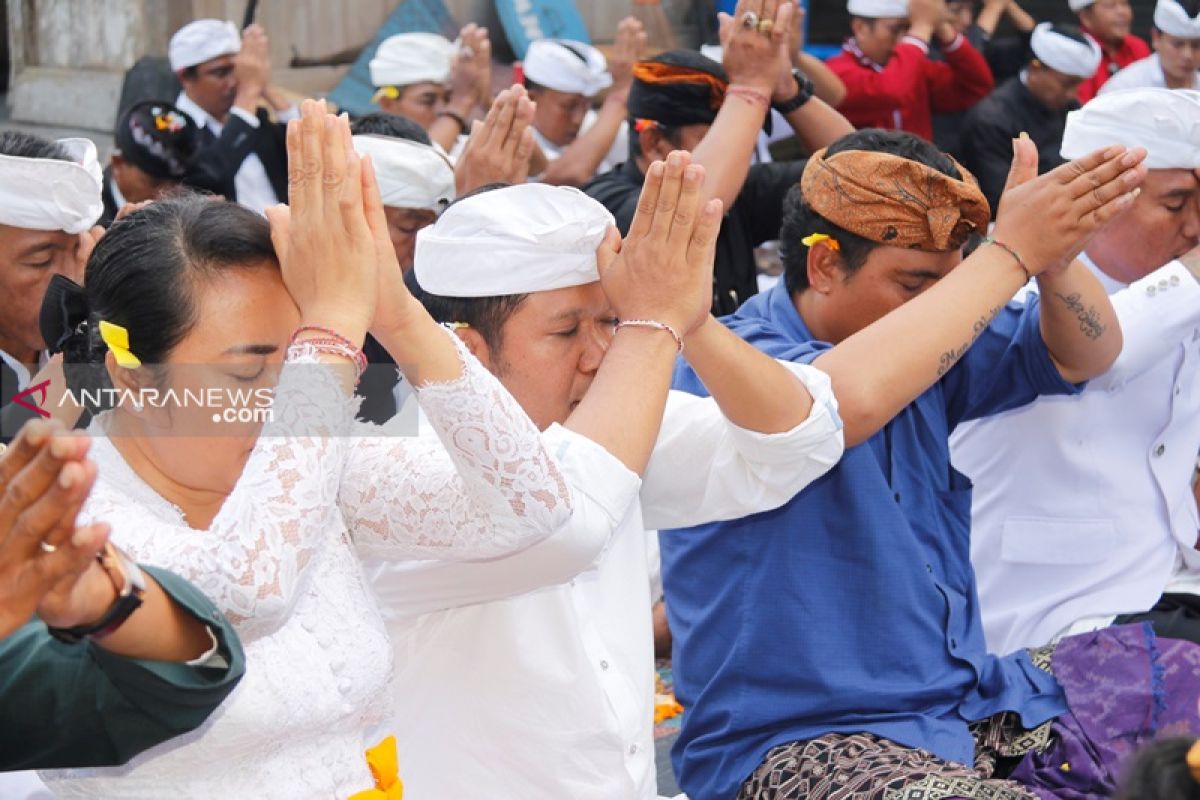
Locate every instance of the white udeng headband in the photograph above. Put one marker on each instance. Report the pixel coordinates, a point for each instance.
(410, 174)
(1064, 54)
(46, 194)
(1171, 19)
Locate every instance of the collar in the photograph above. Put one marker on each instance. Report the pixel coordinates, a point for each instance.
(851, 47)
(118, 199)
(782, 311)
(1108, 53)
(1111, 285)
(189, 106)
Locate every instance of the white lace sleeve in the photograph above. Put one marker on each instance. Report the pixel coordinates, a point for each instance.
(251, 559)
(489, 487)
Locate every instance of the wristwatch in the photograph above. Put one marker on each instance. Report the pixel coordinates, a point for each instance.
(130, 585)
(804, 93)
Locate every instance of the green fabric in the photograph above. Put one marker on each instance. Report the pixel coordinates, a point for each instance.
(67, 705)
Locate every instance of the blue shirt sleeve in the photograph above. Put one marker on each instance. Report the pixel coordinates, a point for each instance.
(1007, 367)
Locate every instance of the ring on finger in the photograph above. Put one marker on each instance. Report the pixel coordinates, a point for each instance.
(750, 20)
(766, 26)
(48, 548)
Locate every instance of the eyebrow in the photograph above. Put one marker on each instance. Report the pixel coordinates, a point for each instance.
(252, 350)
(570, 314)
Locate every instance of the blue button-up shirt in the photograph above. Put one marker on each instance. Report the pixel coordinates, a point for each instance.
(853, 607)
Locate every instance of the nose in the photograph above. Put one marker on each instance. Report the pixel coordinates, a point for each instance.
(1191, 222)
(595, 345)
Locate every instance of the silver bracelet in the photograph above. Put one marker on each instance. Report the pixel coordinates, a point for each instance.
(650, 323)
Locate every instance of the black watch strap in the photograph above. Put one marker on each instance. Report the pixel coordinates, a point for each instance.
(804, 93)
(130, 588)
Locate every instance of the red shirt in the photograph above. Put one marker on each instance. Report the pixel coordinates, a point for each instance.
(905, 94)
(1132, 49)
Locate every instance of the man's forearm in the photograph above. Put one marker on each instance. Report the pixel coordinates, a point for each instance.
(826, 84)
(726, 149)
(753, 390)
(1078, 323)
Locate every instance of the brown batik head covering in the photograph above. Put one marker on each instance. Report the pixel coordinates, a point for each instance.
(895, 201)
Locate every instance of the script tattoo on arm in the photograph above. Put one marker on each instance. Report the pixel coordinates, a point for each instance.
(1089, 318)
(951, 357)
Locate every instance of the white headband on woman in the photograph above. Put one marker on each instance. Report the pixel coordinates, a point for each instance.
(48, 194)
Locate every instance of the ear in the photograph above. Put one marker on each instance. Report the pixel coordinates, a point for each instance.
(824, 268)
(650, 141)
(478, 347)
(858, 26)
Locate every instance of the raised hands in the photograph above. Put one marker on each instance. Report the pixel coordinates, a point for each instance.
(252, 68)
(500, 146)
(472, 76)
(663, 271)
(627, 50)
(755, 41)
(47, 564)
(325, 246)
(1050, 219)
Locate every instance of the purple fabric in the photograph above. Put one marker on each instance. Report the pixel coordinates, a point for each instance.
(1124, 688)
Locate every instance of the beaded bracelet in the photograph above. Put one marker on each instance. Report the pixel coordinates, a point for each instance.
(756, 96)
(333, 343)
(656, 325)
(1011, 252)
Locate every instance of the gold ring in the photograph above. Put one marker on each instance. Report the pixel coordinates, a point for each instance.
(766, 26)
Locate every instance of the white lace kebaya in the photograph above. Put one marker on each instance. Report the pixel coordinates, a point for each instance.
(281, 559)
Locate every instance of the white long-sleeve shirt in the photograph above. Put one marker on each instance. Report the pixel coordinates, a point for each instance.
(526, 689)
(1083, 506)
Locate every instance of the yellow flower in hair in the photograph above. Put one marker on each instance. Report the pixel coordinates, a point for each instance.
(117, 339)
(390, 92)
(817, 238)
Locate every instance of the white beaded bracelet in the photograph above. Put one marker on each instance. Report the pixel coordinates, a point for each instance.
(650, 323)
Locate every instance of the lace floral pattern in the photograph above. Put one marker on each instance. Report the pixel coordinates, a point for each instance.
(279, 560)
(505, 491)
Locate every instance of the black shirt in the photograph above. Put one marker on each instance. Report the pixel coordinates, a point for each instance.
(1006, 57)
(754, 218)
(999, 118)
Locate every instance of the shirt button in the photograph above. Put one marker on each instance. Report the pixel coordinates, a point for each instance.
(1158, 451)
(897, 496)
(1174, 280)
(1162, 284)
(633, 748)
(604, 665)
(929, 568)
(953, 643)
(1150, 290)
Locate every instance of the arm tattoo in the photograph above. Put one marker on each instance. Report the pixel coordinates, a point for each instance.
(1089, 318)
(951, 357)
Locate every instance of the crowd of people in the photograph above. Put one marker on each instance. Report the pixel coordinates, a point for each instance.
(918, 518)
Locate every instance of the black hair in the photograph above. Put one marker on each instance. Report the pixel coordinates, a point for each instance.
(485, 315)
(26, 145)
(379, 123)
(143, 272)
(800, 221)
(532, 86)
(1160, 772)
(189, 72)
